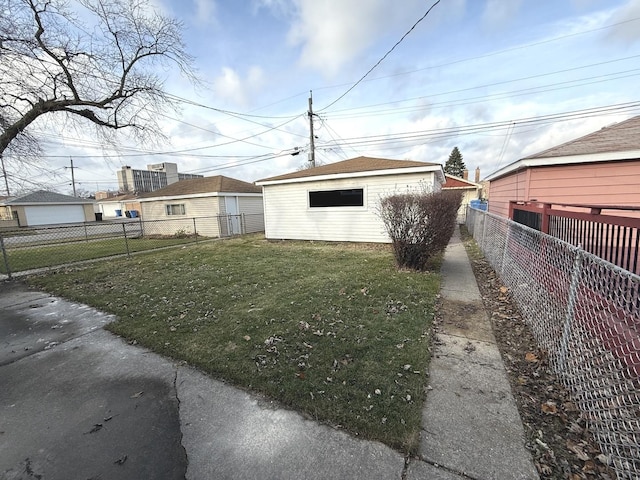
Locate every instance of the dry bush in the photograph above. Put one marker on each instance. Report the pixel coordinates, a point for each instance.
(419, 224)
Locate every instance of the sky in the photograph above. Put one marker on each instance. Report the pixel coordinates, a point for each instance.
(499, 79)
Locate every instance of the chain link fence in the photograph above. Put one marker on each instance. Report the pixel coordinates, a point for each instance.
(27, 249)
(585, 312)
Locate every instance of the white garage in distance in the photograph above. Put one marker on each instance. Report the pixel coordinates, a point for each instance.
(50, 208)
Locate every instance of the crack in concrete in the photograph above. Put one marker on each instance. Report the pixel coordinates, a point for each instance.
(175, 390)
(405, 468)
(446, 469)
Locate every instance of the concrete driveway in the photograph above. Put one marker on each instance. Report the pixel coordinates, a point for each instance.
(77, 402)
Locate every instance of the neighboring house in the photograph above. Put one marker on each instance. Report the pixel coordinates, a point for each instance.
(340, 201)
(225, 206)
(602, 168)
(118, 205)
(49, 208)
(470, 191)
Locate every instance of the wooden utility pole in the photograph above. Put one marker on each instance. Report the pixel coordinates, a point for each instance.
(73, 177)
(312, 146)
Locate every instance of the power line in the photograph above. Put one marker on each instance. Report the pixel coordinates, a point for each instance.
(383, 57)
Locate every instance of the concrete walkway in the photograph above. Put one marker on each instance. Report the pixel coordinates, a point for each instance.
(471, 425)
(78, 402)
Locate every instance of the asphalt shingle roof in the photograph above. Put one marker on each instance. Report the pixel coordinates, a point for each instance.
(619, 137)
(43, 196)
(217, 184)
(353, 165)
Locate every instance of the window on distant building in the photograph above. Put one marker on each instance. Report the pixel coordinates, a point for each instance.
(175, 209)
(337, 198)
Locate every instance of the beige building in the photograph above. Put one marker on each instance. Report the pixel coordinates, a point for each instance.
(213, 206)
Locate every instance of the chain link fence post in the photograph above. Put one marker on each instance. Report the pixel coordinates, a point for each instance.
(576, 272)
(505, 250)
(126, 240)
(5, 257)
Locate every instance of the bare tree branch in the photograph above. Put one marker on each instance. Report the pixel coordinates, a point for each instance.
(99, 69)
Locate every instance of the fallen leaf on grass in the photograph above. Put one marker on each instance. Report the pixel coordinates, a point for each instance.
(577, 449)
(504, 289)
(247, 337)
(531, 357)
(550, 408)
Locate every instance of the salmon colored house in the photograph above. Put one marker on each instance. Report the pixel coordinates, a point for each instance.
(602, 168)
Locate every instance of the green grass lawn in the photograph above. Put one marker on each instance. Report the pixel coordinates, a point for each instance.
(333, 330)
(31, 257)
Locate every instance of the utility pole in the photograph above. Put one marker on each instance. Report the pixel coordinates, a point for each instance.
(73, 177)
(312, 146)
(4, 173)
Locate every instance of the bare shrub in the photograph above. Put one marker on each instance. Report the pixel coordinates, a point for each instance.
(419, 224)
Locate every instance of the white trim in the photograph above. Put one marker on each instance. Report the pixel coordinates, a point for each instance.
(368, 173)
(564, 160)
(198, 195)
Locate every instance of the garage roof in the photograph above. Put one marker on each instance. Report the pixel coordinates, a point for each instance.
(619, 141)
(356, 165)
(204, 185)
(45, 197)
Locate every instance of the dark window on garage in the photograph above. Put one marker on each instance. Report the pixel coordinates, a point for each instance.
(337, 198)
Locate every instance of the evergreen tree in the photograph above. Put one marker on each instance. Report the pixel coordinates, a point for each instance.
(455, 165)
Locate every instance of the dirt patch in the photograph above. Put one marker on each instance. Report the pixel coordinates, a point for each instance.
(561, 445)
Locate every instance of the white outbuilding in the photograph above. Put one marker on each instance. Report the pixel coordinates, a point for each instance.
(340, 201)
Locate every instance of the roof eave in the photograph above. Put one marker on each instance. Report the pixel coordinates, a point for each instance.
(187, 196)
(366, 173)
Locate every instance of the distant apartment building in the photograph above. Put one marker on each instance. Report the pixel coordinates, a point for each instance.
(156, 176)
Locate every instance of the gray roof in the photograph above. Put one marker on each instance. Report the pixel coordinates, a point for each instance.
(617, 142)
(193, 186)
(619, 137)
(45, 197)
(353, 165)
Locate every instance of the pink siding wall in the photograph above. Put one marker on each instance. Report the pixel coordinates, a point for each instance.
(505, 189)
(606, 183)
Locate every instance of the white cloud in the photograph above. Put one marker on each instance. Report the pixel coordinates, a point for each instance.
(332, 33)
(237, 89)
(629, 31)
(205, 11)
(498, 13)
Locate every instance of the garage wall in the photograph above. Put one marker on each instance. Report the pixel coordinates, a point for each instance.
(288, 215)
(55, 214)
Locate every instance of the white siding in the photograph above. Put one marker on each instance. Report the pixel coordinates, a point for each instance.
(108, 209)
(288, 216)
(253, 210)
(54, 214)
